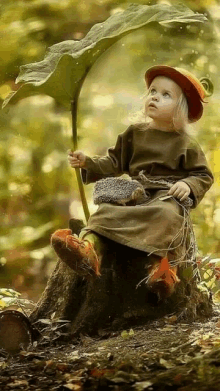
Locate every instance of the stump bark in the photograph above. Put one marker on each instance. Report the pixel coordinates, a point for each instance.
(113, 301)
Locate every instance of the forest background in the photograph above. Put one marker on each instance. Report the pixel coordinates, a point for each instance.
(38, 189)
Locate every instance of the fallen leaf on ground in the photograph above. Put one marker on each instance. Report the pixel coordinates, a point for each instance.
(18, 383)
(70, 386)
(166, 364)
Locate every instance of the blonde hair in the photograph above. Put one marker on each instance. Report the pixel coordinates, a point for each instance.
(180, 118)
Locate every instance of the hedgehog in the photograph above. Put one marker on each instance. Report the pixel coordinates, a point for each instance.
(122, 191)
(119, 191)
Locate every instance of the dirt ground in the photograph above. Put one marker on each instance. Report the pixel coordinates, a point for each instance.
(161, 355)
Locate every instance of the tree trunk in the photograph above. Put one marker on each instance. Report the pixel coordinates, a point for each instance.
(113, 301)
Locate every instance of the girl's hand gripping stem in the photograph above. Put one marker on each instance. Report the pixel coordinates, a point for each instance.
(77, 159)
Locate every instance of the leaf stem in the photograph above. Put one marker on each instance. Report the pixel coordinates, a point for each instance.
(75, 144)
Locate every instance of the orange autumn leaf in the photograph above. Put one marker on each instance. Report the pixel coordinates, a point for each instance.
(165, 272)
(100, 372)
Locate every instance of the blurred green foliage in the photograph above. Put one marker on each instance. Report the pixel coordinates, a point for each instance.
(38, 191)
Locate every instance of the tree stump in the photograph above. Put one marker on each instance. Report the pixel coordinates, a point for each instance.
(113, 301)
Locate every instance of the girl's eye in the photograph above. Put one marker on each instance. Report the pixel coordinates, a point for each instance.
(166, 94)
(152, 91)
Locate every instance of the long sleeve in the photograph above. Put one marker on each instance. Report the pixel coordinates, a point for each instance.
(115, 163)
(200, 177)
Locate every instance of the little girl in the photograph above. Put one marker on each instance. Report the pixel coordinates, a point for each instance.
(165, 153)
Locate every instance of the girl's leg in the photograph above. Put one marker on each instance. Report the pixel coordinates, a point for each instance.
(94, 239)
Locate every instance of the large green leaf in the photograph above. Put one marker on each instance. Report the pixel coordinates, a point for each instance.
(67, 63)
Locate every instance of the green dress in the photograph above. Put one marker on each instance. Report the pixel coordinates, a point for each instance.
(152, 226)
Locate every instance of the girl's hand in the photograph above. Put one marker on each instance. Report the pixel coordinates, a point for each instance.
(77, 159)
(180, 190)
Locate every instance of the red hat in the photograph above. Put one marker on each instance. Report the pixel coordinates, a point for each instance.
(191, 86)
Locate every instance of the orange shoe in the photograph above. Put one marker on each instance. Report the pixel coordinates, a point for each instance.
(78, 254)
(163, 279)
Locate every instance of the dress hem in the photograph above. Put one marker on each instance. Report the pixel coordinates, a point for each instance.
(124, 242)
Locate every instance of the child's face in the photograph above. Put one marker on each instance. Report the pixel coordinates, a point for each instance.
(163, 94)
